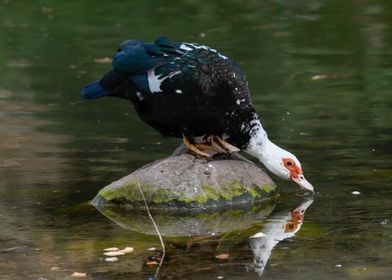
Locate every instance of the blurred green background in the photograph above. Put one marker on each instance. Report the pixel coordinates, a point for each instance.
(320, 76)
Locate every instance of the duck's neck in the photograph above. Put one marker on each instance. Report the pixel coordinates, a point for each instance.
(259, 145)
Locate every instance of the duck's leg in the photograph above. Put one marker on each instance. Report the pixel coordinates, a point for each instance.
(212, 146)
(222, 145)
(196, 149)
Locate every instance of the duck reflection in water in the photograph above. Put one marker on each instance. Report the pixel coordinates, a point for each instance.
(280, 226)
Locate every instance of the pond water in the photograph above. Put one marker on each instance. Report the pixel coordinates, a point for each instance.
(320, 74)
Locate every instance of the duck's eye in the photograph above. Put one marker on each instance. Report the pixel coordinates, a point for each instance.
(288, 162)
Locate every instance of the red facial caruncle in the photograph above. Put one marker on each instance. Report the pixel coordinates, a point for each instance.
(292, 167)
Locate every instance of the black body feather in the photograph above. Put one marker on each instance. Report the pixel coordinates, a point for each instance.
(181, 89)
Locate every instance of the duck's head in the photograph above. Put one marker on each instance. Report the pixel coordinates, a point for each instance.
(283, 164)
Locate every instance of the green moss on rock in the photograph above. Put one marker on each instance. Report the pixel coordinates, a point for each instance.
(187, 182)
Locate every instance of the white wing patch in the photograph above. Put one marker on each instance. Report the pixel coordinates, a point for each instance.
(140, 95)
(185, 47)
(190, 47)
(155, 81)
(238, 101)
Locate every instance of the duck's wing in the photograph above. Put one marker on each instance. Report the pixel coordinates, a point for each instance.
(169, 67)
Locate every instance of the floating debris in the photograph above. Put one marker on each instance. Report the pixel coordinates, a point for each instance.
(355, 193)
(338, 265)
(103, 60)
(111, 259)
(152, 263)
(152, 249)
(114, 253)
(127, 250)
(319, 77)
(79, 274)
(220, 277)
(54, 268)
(222, 256)
(384, 222)
(111, 249)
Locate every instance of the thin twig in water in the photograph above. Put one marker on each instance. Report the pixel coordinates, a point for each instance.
(156, 229)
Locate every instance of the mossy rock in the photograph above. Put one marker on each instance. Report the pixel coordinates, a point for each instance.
(185, 181)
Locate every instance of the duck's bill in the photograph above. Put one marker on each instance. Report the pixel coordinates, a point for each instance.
(303, 183)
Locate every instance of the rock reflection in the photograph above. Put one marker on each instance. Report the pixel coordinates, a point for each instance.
(188, 223)
(279, 226)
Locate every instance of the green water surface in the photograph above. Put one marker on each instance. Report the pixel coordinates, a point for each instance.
(320, 75)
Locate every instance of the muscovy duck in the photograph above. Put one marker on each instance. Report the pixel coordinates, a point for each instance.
(192, 91)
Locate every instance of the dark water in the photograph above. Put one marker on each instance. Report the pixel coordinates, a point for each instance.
(320, 74)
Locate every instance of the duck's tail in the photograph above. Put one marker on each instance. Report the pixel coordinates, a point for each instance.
(94, 90)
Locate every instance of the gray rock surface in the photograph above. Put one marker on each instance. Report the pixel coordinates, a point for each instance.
(185, 181)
